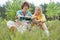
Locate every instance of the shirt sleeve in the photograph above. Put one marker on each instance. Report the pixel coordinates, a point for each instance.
(43, 17)
(29, 14)
(18, 12)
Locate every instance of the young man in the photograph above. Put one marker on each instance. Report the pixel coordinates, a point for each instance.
(21, 15)
(24, 12)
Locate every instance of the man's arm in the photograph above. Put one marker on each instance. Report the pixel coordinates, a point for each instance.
(29, 15)
(19, 14)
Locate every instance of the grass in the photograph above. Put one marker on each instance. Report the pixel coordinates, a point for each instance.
(36, 34)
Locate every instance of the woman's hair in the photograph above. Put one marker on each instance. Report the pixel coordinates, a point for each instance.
(39, 9)
(25, 4)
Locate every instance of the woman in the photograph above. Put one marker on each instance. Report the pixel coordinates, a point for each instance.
(39, 19)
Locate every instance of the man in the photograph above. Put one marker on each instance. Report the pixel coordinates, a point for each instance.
(24, 12)
(21, 15)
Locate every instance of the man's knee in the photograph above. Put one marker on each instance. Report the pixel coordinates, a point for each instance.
(11, 25)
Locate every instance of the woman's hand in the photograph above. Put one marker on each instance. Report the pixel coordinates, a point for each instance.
(40, 21)
(33, 17)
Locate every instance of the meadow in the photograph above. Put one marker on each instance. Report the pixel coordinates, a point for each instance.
(51, 11)
(35, 34)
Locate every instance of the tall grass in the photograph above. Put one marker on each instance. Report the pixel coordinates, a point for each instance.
(35, 34)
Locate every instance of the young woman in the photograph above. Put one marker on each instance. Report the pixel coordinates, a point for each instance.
(39, 19)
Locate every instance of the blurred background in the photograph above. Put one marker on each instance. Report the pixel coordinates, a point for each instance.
(51, 9)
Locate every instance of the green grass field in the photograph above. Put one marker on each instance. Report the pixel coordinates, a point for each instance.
(36, 34)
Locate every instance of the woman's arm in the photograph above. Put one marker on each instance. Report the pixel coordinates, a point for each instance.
(33, 16)
(43, 19)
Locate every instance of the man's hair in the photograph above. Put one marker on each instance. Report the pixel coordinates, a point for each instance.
(25, 4)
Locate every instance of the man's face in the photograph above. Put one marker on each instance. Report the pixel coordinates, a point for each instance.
(25, 8)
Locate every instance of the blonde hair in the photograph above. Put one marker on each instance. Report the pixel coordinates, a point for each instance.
(40, 9)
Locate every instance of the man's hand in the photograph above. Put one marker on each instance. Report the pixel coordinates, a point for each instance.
(18, 22)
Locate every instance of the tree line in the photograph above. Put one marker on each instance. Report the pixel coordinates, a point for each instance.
(8, 11)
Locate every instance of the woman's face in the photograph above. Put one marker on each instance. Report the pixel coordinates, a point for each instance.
(25, 8)
(37, 9)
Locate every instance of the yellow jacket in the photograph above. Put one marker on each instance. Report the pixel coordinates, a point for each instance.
(39, 17)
